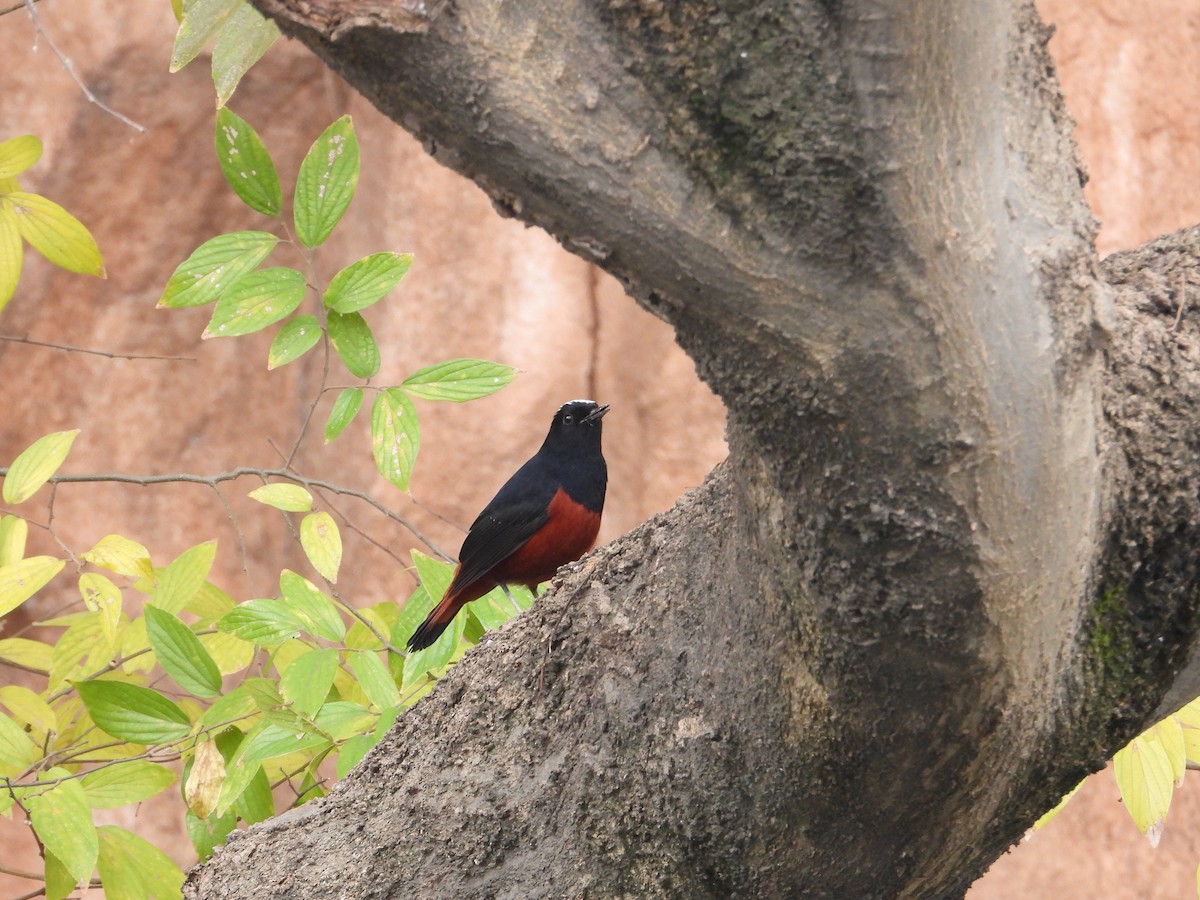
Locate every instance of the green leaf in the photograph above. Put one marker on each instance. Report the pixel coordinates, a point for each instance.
(132, 868)
(263, 622)
(21, 580)
(395, 436)
(179, 582)
(242, 43)
(342, 719)
(59, 882)
(288, 497)
(435, 574)
(133, 713)
(352, 339)
(232, 706)
(208, 834)
(366, 282)
(256, 804)
(295, 339)
(255, 301)
(375, 679)
(101, 595)
(202, 19)
(443, 649)
(63, 823)
(210, 602)
(326, 183)
(1146, 781)
(345, 408)
(307, 681)
(246, 164)
(350, 754)
(36, 464)
(56, 234)
(81, 639)
(322, 543)
(18, 154)
(313, 610)
(16, 747)
(264, 742)
(12, 252)
(459, 380)
(181, 654)
(125, 782)
(215, 266)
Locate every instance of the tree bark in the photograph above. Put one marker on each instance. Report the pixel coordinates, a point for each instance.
(950, 563)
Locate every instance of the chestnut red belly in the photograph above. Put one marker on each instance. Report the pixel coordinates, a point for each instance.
(569, 533)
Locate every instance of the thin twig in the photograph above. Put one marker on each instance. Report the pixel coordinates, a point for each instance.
(105, 353)
(313, 406)
(1182, 300)
(70, 67)
(19, 873)
(242, 472)
(5, 12)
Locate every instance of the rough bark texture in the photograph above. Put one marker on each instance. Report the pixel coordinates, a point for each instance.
(948, 543)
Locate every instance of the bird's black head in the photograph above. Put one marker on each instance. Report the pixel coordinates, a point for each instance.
(576, 426)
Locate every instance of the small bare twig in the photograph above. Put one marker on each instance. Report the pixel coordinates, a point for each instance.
(5, 12)
(70, 68)
(67, 348)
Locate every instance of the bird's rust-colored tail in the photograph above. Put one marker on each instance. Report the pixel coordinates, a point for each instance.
(443, 614)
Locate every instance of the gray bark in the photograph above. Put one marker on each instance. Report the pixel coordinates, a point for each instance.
(950, 563)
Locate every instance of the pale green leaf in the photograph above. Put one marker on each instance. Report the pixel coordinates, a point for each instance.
(13, 532)
(231, 707)
(121, 555)
(459, 380)
(263, 622)
(181, 654)
(288, 497)
(435, 574)
(179, 582)
(208, 834)
(81, 639)
(242, 42)
(345, 408)
(231, 654)
(342, 719)
(355, 345)
(131, 868)
(125, 782)
(18, 154)
(59, 882)
(395, 436)
(246, 164)
(56, 234)
(326, 183)
(202, 19)
(1147, 782)
(12, 253)
(101, 595)
(350, 754)
(295, 339)
(210, 602)
(322, 543)
(16, 747)
(63, 823)
(366, 282)
(21, 580)
(133, 713)
(307, 681)
(215, 266)
(36, 463)
(375, 679)
(255, 301)
(312, 609)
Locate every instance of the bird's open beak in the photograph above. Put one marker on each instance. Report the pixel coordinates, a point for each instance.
(595, 415)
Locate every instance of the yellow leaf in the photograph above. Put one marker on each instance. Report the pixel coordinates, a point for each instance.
(134, 640)
(36, 464)
(322, 544)
(56, 234)
(27, 653)
(1146, 782)
(18, 154)
(21, 580)
(231, 654)
(101, 594)
(29, 708)
(11, 253)
(204, 782)
(1170, 732)
(121, 555)
(13, 532)
(288, 497)
(1190, 714)
(1046, 817)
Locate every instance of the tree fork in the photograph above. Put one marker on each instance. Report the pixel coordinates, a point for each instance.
(925, 594)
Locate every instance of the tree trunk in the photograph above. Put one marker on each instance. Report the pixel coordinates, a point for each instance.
(950, 563)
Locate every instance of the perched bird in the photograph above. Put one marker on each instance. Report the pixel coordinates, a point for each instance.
(545, 516)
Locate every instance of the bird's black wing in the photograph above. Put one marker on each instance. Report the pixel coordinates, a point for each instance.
(512, 518)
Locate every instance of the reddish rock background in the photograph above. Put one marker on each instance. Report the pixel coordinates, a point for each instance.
(481, 286)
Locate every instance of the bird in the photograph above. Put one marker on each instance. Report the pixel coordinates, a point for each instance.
(545, 516)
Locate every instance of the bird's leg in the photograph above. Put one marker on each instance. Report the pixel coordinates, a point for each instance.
(511, 598)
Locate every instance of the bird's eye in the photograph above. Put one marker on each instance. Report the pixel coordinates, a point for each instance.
(569, 419)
